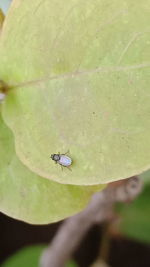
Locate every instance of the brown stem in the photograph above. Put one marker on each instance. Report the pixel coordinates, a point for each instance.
(99, 209)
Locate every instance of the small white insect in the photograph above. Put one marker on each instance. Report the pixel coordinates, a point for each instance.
(62, 159)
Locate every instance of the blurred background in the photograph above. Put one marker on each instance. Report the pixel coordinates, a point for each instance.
(125, 243)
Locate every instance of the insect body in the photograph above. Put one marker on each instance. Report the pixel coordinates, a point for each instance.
(62, 159)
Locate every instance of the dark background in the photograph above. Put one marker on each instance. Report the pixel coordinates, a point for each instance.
(15, 235)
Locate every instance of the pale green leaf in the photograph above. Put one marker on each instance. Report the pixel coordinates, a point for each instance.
(82, 71)
(31, 198)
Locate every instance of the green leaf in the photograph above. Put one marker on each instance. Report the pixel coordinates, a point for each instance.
(71, 264)
(135, 217)
(31, 198)
(29, 256)
(145, 176)
(80, 77)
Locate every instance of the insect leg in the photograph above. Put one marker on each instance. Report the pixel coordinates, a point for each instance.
(68, 167)
(61, 167)
(66, 152)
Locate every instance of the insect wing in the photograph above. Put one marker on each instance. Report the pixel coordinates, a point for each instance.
(65, 160)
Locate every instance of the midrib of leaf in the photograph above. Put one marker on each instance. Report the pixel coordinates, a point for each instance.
(84, 72)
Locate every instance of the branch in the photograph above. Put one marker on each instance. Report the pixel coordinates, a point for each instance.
(99, 209)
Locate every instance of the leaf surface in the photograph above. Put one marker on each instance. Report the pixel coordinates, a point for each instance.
(81, 83)
(31, 198)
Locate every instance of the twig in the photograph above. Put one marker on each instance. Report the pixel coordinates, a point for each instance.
(99, 209)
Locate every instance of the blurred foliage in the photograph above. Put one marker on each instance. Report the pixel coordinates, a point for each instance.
(29, 256)
(135, 217)
(145, 176)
